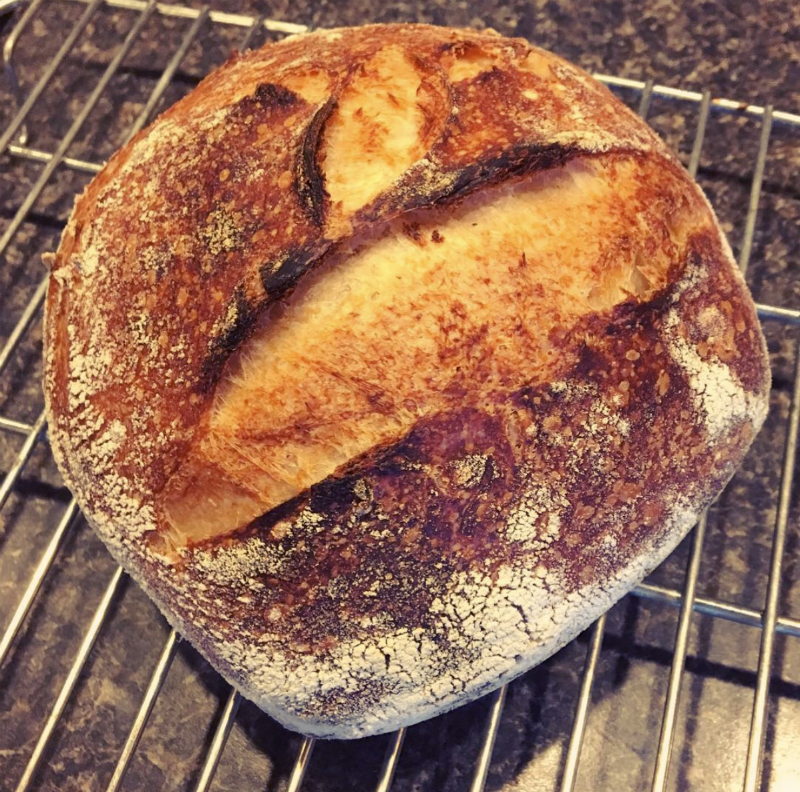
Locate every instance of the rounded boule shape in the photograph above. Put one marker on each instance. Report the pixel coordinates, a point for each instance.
(388, 359)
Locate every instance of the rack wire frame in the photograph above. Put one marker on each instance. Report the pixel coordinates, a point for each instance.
(13, 143)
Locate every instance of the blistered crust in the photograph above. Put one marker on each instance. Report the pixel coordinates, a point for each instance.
(427, 572)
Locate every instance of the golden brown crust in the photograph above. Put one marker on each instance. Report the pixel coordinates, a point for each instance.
(206, 173)
(446, 304)
(439, 565)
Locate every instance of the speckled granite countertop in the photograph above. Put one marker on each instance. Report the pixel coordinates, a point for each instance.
(748, 51)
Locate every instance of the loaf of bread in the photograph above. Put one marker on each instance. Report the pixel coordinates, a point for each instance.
(388, 359)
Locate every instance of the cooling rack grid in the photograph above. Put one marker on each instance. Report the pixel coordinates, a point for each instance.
(59, 589)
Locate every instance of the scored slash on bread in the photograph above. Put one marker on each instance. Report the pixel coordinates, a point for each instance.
(388, 359)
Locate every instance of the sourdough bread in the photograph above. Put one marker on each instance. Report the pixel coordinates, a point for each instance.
(388, 359)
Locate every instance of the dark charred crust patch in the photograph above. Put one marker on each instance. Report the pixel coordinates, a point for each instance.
(230, 335)
(278, 279)
(265, 522)
(310, 180)
(268, 95)
(517, 161)
(415, 192)
(336, 493)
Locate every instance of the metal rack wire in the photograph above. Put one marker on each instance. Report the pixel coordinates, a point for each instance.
(14, 144)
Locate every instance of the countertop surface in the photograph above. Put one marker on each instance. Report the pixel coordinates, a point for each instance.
(748, 51)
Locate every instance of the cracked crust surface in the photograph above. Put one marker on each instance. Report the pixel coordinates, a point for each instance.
(473, 537)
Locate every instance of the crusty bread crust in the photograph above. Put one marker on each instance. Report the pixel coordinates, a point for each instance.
(433, 568)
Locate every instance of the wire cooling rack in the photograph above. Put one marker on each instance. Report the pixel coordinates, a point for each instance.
(46, 181)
